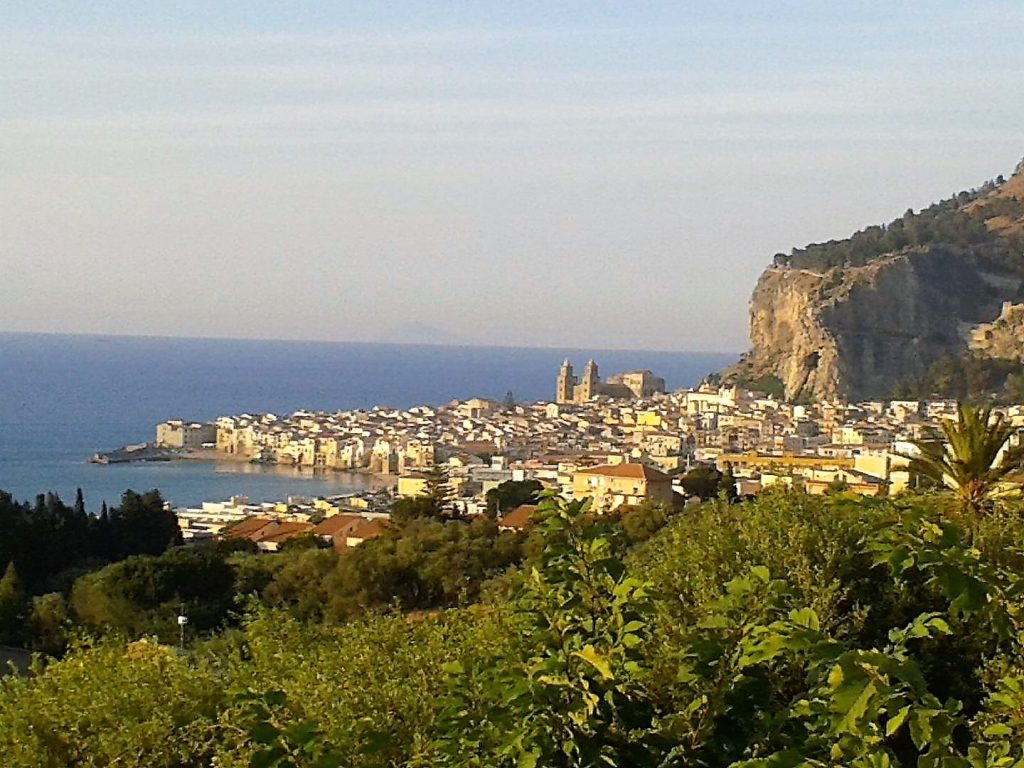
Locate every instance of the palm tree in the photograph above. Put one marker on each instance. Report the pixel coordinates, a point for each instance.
(971, 459)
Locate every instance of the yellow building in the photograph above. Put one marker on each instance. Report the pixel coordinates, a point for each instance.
(178, 434)
(412, 485)
(611, 486)
(650, 419)
(769, 462)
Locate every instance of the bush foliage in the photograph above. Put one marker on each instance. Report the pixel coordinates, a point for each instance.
(791, 630)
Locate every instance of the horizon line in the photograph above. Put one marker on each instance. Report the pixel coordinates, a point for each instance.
(448, 345)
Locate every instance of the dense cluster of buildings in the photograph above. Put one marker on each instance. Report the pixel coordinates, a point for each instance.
(616, 449)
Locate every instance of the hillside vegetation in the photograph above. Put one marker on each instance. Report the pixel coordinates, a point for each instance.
(791, 630)
(989, 219)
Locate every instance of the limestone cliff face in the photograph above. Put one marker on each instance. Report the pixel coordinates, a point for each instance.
(849, 319)
(852, 332)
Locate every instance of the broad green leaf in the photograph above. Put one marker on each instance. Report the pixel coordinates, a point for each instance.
(805, 617)
(896, 721)
(599, 662)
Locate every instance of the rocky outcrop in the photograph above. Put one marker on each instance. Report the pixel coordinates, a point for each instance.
(853, 332)
(1003, 338)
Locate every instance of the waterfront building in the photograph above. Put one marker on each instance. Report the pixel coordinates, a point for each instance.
(189, 436)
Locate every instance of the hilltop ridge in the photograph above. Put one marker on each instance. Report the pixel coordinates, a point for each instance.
(854, 318)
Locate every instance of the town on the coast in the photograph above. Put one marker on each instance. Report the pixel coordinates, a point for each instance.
(623, 440)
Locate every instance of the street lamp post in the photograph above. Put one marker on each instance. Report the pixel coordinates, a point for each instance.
(182, 621)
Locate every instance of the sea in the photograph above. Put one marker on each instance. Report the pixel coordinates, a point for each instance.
(65, 397)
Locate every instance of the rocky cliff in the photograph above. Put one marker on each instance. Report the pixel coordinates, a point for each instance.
(848, 319)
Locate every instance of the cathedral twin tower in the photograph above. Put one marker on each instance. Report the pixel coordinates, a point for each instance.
(571, 390)
(629, 385)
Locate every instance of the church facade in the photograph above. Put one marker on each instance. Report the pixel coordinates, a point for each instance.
(570, 389)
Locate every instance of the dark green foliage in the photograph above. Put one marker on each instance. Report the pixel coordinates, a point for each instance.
(769, 384)
(52, 543)
(424, 564)
(728, 484)
(415, 508)
(839, 485)
(142, 526)
(640, 522)
(942, 223)
(144, 594)
(299, 581)
(512, 493)
(789, 631)
(309, 541)
(434, 503)
(966, 377)
(50, 623)
(703, 481)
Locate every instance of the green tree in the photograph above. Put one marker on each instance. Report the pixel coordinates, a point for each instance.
(838, 485)
(971, 458)
(50, 623)
(143, 525)
(702, 481)
(143, 594)
(511, 494)
(15, 605)
(642, 521)
(423, 564)
(728, 484)
(79, 503)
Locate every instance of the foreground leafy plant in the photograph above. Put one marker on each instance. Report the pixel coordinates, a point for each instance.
(572, 695)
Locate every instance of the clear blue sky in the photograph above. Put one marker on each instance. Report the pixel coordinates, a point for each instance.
(586, 174)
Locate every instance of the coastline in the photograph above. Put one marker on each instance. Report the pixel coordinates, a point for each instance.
(151, 454)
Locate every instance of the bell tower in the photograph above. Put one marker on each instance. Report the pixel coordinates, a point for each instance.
(566, 383)
(588, 388)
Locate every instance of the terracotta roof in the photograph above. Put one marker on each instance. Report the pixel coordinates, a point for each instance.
(479, 446)
(283, 531)
(247, 528)
(338, 524)
(519, 518)
(370, 529)
(631, 471)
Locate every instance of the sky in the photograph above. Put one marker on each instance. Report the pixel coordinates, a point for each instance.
(531, 174)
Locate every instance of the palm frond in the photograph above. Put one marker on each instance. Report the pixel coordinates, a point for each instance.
(971, 456)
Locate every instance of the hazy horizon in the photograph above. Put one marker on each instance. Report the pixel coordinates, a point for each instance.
(580, 175)
(257, 339)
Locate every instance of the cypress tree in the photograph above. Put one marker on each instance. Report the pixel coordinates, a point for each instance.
(15, 605)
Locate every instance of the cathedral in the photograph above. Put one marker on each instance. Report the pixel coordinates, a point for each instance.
(632, 384)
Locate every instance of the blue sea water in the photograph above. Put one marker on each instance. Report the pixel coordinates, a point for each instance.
(62, 398)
